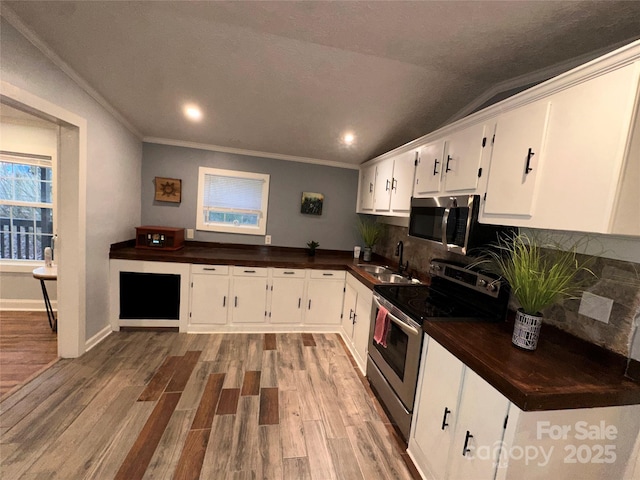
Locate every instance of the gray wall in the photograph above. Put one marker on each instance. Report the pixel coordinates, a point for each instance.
(334, 229)
(112, 171)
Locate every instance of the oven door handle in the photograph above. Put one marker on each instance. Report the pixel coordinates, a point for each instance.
(408, 329)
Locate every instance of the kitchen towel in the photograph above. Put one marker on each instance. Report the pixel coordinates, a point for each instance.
(382, 327)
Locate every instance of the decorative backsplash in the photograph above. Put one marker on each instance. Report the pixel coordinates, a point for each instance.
(616, 279)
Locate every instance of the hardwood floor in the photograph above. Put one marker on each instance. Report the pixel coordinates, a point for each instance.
(27, 347)
(150, 405)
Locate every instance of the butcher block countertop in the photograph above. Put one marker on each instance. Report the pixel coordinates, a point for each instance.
(563, 372)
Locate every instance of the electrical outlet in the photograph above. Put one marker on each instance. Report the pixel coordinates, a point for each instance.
(189, 233)
(596, 307)
(267, 239)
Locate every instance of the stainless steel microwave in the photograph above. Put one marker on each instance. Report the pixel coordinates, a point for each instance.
(451, 222)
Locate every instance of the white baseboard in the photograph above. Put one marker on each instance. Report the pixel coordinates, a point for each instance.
(25, 305)
(97, 338)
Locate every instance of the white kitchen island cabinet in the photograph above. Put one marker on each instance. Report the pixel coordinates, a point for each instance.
(209, 299)
(249, 295)
(323, 303)
(356, 320)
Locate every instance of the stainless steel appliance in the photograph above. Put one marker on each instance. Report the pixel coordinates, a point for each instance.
(456, 293)
(451, 222)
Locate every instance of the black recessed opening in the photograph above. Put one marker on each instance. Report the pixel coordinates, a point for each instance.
(154, 296)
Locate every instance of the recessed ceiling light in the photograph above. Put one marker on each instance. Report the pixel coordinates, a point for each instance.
(348, 138)
(192, 112)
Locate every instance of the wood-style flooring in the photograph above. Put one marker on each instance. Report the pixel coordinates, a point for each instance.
(165, 405)
(27, 347)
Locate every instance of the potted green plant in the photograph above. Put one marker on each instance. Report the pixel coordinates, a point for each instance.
(370, 231)
(539, 276)
(311, 248)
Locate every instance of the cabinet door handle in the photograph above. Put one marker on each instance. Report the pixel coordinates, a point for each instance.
(444, 418)
(394, 184)
(209, 269)
(328, 274)
(249, 271)
(299, 302)
(370, 187)
(387, 186)
(354, 317)
(309, 305)
(447, 169)
(224, 301)
(527, 167)
(289, 273)
(436, 162)
(350, 314)
(465, 448)
(235, 303)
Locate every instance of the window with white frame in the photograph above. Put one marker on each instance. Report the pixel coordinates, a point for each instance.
(232, 201)
(26, 205)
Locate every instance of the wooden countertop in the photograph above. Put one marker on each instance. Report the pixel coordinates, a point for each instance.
(250, 256)
(564, 372)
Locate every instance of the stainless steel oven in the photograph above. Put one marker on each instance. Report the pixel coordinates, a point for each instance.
(456, 293)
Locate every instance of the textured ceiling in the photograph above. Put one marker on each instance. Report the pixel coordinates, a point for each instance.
(289, 78)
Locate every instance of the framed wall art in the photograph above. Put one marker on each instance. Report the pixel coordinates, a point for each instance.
(312, 203)
(168, 189)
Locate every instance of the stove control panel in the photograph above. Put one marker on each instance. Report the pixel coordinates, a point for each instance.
(464, 275)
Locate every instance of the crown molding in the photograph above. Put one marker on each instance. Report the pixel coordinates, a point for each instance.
(252, 153)
(14, 20)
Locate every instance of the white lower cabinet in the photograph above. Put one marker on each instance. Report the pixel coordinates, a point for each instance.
(323, 303)
(209, 295)
(287, 296)
(456, 413)
(356, 320)
(249, 295)
(464, 429)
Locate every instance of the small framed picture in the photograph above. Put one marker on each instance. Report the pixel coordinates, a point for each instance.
(312, 203)
(168, 189)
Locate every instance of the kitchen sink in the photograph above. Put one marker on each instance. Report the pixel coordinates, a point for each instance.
(385, 274)
(374, 269)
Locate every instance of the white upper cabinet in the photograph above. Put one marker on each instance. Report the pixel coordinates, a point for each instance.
(367, 182)
(516, 160)
(586, 174)
(402, 183)
(382, 188)
(429, 169)
(385, 187)
(462, 160)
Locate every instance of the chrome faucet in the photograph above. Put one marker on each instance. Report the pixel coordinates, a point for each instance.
(399, 252)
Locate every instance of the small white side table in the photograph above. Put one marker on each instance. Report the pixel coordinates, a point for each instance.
(43, 274)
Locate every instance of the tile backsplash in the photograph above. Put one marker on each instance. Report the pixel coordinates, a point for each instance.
(616, 279)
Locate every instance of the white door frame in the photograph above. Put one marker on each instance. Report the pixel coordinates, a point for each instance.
(72, 200)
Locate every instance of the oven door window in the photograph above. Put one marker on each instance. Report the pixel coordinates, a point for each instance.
(396, 352)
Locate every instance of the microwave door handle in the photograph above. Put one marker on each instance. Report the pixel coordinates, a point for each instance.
(445, 224)
(408, 329)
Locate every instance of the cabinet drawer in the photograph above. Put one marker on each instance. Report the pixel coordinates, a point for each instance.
(287, 273)
(328, 274)
(210, 269)
(250, 272)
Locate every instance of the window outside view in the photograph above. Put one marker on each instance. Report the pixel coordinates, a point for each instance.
(26, 207)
